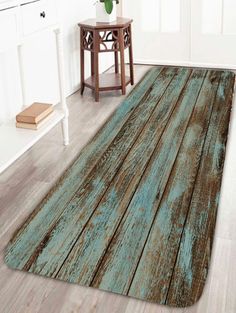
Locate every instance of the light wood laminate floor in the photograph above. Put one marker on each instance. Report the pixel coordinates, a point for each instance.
(27, 181)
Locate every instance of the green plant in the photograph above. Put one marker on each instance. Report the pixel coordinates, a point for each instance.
(109, 5)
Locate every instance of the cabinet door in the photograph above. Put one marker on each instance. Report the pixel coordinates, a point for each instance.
(39, 57)
(39, 61)
(8, 29)
(10, 92)
(214, 32)
(38, 15)
(10, 88)
(161, 30)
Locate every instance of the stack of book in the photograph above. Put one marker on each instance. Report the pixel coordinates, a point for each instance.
(34, 116)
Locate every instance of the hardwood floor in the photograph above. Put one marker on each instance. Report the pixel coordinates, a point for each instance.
(27, 181)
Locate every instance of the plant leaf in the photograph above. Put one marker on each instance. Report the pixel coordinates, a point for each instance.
(109, 6)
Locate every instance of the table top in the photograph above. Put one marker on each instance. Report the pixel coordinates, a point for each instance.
(119, 23)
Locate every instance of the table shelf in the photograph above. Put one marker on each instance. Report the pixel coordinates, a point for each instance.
(111, 81)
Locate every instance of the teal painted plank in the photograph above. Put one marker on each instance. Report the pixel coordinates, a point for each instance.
(26, 247)
(82, 207)
(121, 219)
(193, 260)
(72, 270)
(162, 246)
(53, 204)
(117, 268)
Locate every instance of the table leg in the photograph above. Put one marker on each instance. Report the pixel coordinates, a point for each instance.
(122, 60)
(92, 63)
(116, 54)
(116, 62)
(96, 64)
(81, 62)
(131, 59)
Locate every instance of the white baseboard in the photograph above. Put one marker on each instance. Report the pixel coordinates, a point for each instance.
(187, 64)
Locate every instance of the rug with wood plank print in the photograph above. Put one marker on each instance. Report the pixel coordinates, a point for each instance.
(135, 213)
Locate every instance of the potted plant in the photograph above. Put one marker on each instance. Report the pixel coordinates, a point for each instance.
(106, 11)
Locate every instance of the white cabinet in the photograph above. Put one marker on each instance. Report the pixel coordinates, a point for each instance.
(8, 28)
(10, 91)
(24, 23)
(38, 15)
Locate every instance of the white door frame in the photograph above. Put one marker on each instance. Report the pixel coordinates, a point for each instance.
(180, 63)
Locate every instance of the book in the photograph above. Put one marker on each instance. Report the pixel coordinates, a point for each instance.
(34, 113)
(33, 126)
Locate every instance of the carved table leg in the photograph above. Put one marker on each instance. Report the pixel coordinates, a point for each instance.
(122, 60)
(131, 60)
(81, 61)
(92, 63)
(116, 62)
(96, 64)
(115, 46)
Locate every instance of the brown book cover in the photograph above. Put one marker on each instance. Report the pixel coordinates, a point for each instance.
(33, 126)
(35, 113)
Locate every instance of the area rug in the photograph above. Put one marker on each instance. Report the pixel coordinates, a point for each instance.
(136, 211)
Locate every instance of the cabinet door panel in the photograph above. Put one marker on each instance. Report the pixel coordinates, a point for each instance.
(38, 15)
(8, 29)
(10, 88)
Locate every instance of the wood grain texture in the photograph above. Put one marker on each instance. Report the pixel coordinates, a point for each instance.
(53, 205)
(169, 222)
(194, 252)
(135, 226)
(131, 199)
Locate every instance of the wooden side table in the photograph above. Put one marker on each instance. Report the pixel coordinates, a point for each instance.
(103, 37)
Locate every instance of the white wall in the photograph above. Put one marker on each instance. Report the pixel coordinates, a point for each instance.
(71, 12)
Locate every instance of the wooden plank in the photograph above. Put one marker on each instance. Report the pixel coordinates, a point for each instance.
(49, 295)
(100, 230)
(194, 255)
(72, 179)
(79, 210)
(132, 233)
(153, 274)
(33, 236)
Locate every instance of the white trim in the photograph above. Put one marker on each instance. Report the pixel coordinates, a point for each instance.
(186, 63)
(61, 76)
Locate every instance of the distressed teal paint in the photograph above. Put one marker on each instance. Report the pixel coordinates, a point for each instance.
(200, 223)
(186, 257)
(135, 213)
(53, 205)
(167, 233)
(134, 228)
(52, 209)
(110, 210)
